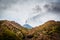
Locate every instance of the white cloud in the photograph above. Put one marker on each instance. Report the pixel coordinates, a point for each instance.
(16, 11)
(21, 10)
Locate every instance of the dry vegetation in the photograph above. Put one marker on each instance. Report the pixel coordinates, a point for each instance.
(10, 30)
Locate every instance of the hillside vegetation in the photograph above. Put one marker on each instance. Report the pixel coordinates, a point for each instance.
(10, 30)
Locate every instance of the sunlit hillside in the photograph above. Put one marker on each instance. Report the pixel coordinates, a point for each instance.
(10, 30)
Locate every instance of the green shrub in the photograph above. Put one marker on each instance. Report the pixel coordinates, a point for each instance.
(9, 35)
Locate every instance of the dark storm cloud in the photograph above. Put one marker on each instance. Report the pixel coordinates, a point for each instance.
(54, 6)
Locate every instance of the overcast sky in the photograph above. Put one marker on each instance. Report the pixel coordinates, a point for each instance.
(22, 10)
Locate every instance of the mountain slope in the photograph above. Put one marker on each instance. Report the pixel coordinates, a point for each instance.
(48, 31)
(27, 26)
(11, 29)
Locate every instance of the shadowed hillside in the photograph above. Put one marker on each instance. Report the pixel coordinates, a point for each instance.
(10, 30)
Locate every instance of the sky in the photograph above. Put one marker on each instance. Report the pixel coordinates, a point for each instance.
(34, 12)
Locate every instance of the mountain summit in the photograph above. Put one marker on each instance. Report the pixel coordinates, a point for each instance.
(27, 26)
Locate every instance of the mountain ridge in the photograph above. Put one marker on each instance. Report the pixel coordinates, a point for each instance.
(27, 26)
(10, 30)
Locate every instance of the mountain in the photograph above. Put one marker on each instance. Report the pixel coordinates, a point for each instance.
(48, 31)
(10, 30)
(27, 26)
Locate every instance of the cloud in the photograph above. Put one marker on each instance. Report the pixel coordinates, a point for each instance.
(49, 11)
(22, 10)
(54, 7)
(17, 10)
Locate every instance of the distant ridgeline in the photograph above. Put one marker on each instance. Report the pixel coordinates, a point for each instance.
(10, 30)
(26, 25)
